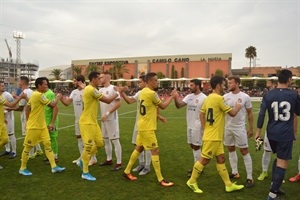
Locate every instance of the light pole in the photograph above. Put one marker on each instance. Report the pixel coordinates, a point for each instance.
(18, 36)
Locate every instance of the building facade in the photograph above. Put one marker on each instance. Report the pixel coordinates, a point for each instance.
(171, 66)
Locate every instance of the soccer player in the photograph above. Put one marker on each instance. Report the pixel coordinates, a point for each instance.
(147, 124)
(110, 123)
(194, 103)
(76, 98)
(24, 85)
(282, 104)
(266, 157)
(212, 117)
(51, 115)
(90, 131)
(235, 129)
(10, 120)
(145, 156)
(3, 102)
(36, 126)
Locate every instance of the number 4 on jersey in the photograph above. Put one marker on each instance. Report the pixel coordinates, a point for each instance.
(210, 116)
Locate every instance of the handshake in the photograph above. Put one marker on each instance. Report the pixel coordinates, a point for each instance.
(259, 143)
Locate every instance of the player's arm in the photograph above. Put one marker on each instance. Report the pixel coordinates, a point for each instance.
(250, 122)
(66, 100)
(295, 125)
(108, 100)
(27, 111)
(178, 102)
(165, 104)
(51, 126)
(160, 117)
(234, 112)
(202, 119)
(260, 119)
(14, 103)
(52, 104)
(129, 100)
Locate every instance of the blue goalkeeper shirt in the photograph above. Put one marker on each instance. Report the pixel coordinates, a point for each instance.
(281, 104)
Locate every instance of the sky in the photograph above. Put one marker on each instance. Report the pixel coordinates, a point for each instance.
(59, 31)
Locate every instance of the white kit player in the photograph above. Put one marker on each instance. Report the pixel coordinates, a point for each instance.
(194, 103)
(235, 129)
(10, 124)
(110, 122)
(76, 98)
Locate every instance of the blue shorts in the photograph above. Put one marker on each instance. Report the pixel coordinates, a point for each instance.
(283, 149)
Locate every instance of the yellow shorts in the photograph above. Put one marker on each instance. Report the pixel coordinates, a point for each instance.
(3, 135)
(211, 149)
(147, 139)
(91, 134)
(34, 136)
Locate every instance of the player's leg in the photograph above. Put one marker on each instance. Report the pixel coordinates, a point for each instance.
(12, 137)
(29, 141)
(229, 141)
(107, 145)
(266, 159)
(148, 159)
(3, 137)
(114, 135)
(141, 165)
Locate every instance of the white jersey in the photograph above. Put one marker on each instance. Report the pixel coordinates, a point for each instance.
(104, 107)
(239, 121)
(23, 102)
(194, 104)
(136, 97)
(76, 96)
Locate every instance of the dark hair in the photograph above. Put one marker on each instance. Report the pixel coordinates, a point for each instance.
(39, 81)
(284, 75)
(196, 82)
(235, 78)
(80, 78)
(93, 75)
(143, 77)
(25, 79)
(106, 73)
(149, 75)
(215, 80)
(1, 81)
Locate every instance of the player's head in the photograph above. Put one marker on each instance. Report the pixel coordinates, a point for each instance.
(105, 78)
(23, 81)
(271, 84)
(151, 80)
(142, 82)
(285, 76)
(94, 78)
(218, 83)
(233, 82)
(195, 85)
(41, 84)
(78, 78)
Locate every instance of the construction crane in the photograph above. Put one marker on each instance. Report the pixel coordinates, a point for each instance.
(9, 51)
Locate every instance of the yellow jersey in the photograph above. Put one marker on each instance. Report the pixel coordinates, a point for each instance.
(36, 119)
(90, 99)
(215, 109)
(2, 102)
(147, 110)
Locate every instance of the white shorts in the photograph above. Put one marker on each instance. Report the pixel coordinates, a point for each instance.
(237, 137)
(110, 129)
(134, 134)
(77, 129)
(23, 124)
(267, 146)
(194, 137)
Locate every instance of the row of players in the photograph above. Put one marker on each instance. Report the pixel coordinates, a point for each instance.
(235, 130)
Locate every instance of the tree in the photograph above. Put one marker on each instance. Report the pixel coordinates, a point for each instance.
(56, 73)
(119, 69)
(92, 68)
(250, 54)
(219, 72)
(77, 70)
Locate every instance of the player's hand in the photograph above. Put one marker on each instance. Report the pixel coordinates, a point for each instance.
(238, 105)
(81, 84)
(23, 96)
(257, 135)
(250, 133)
(122, 89)
(104, 118)
(51, 127)
(58, 96)
(162, 118)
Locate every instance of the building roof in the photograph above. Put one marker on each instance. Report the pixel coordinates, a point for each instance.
(62, 67)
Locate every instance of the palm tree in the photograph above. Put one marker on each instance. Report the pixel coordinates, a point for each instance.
(77, 70)
(56, 73)
(250, 54)
(92, 68)
(119, 69)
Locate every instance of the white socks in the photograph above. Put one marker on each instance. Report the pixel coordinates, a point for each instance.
(233, 162)
(148, 157)
(248, 165)
(80, 145)
(108, 149)
(197, 155)
(265, 160)
(118, 150)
